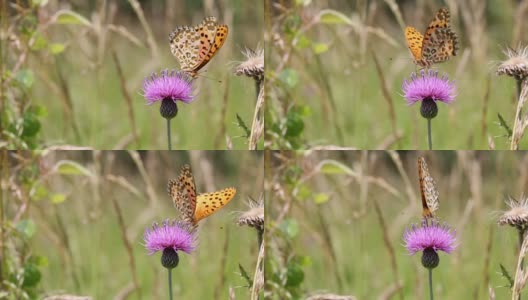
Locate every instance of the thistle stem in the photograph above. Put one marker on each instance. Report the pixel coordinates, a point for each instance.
(260, 237)
(170, 283)
(429, 137)
(430, 283)
(169, 135)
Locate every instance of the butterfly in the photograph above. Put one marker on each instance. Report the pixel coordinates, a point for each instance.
(194, 207)
(195, 46)
(427, 190)
(438, 43)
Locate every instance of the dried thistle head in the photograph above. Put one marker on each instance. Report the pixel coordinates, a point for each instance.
(254, 216)
(253, 66)
(517, 215)
(516, 64)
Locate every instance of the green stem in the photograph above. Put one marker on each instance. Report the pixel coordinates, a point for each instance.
(430, 140)
(430, 283)
(169, 134)
(521, 241)
(170, 284)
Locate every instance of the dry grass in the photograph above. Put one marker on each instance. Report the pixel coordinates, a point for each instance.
(372, 196)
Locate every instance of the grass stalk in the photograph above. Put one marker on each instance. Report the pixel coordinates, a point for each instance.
(128, 98)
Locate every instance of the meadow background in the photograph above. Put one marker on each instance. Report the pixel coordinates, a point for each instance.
(73, 73)
(336, 219)
(335, 70)
(73, 224)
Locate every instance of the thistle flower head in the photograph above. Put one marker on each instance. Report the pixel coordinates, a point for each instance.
(253, 66)
(517, 215)
(516, 64)
(428, 86)
(178, 236)
(429, 236)
(168, 85)
(254, 216)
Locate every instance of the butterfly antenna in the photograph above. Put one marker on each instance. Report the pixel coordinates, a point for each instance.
(207, 77)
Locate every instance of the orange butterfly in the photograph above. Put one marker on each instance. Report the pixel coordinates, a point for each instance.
(438, 43)
(195, 46)
(191, 206)
(427, 190)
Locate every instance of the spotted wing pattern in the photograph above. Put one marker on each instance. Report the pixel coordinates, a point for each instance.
(438, 43)
(183, 193)
(428, 190)
(209, 203)
(195, 46)
(191, 206)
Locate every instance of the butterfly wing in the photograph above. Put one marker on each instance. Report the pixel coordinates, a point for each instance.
(219, 38)
(414, 42)
(439, 41)
(442, 45)
(195, 46)
(209, 203)
(183, 193)
(427, 189)
(440, 20)
(185, 45)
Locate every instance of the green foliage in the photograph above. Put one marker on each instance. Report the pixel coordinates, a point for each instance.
(245, 275)
(22, 273)
(506, 275)
(504, 124)
(20, 116)
(325, 63)
(243, 125)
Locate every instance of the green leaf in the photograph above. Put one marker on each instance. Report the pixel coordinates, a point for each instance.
(25, 77)
(330, 16)
(506, 275)
(335, 167)
(58, 198)
(245, 275)
(67, 167)
(39, 41)
(290, 227)
(320, 48)
(26, 227)
(303, 42)
(294, 124)
(303, 191)
(243, 125)
(56, 48)
(303, 2)
(503, 124)
(294, 275)
(31, 275)
(70, 17)
(321, 198)
(40, 3)
(39, 191)
(30, 125)
(289, 77)
(40, 110)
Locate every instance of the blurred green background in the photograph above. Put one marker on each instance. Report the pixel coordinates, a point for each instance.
(324, 88)
(73, 71)
(82, 204)
(326, 236)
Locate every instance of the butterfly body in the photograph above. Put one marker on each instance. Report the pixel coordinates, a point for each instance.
(195, 46)
(194, 207)
(428, 190)
(437, 44)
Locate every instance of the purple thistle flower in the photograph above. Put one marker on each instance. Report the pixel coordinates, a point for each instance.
(427, 85)
(433, 236)
(173, 85)
(174, 235)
